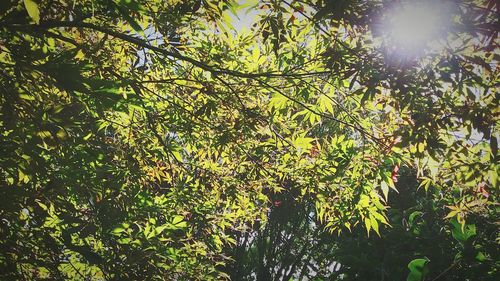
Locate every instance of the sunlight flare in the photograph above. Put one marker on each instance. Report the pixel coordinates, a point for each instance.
(412, 26)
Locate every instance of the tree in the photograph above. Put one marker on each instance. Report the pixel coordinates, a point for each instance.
(140, 139)
(294, 245)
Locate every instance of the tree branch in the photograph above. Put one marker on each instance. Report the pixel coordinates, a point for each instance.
(141, 43)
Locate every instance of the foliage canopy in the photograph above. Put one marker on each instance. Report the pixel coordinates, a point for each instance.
(149, 139)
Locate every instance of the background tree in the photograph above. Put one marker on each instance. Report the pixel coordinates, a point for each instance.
(294, 245)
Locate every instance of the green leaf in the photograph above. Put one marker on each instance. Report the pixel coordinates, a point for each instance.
(304, 143)
(133, 23)
(132, 5)
(374, 224)
(177, 154)
(462, 233)
(33, 10)
(385, 190)
(368, 225)
(368, 95)
(26, 97)
(493, 176)
(43, 206)
(418, 269)
(177, 219)
(117, 231)
(278, 102)
(325, 104)
(433, 166)
(159, 229)
(481, 257)
(414, 215)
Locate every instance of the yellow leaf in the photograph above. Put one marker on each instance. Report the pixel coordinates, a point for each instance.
(380, 218)
(493, 176)
(433, 166)
(421, 147)
(255, 54)
(32, 9)
(385, 190)
(348, 225)
(452, 214)
(374, 224)
(368, 225)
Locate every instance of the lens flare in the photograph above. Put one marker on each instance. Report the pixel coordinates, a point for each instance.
(411, 26)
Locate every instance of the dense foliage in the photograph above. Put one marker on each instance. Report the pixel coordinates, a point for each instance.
(154, 140)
